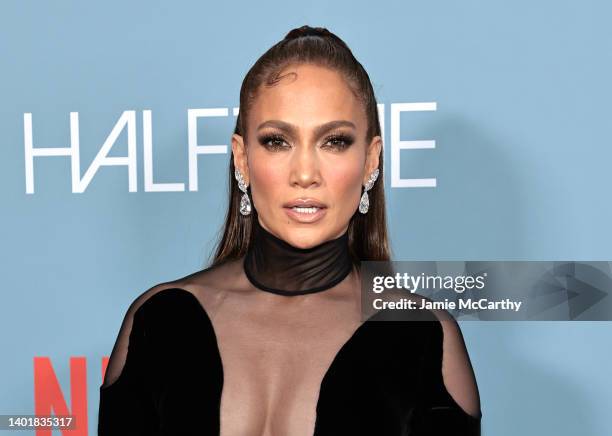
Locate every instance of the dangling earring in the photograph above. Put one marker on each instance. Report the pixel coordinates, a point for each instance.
(364, 203)
(245, 203)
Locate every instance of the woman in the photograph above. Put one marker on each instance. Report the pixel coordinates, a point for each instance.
(268, 340)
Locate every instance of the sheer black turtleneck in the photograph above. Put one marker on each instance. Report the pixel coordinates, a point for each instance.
(276, 266)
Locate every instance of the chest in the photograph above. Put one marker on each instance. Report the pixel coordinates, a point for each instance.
(273, 371)
(264, 377)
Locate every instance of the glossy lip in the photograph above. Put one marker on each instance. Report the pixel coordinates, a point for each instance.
(305, 217)
(305, 202)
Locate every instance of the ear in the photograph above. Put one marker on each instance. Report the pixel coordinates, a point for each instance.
(240, 157)
(372, 157)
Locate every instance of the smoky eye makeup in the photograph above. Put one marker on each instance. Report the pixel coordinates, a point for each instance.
(272, 141)
(336, 141)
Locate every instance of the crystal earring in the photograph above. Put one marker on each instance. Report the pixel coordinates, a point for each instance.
(364, 203)
(245, 203)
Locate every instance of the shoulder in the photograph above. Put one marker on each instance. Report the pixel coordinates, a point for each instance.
(153, 295)
(446, 331)
(131, 329)
(168, 306)
(440, 320)
(457, 371)
(148, 313)
(447, 353)
(206, 285)
(135, 311)
(160, 298)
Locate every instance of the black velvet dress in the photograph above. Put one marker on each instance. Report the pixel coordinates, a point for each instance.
(385, 380)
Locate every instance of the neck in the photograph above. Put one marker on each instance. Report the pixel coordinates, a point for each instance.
(273, 265)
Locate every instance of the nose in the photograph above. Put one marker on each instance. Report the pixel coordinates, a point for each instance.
(305, 171)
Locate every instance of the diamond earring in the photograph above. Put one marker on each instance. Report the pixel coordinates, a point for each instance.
(364, 203)
(245, 203)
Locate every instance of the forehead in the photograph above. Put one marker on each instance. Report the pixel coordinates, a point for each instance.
(307, 96)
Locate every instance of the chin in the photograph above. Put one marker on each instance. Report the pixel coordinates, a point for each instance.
(305, 236)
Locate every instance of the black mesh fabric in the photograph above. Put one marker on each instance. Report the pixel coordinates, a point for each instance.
(213, 354)
(274, 265)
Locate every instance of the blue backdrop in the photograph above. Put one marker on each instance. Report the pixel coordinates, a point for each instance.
(520, 155)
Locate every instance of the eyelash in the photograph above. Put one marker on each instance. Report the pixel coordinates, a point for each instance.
(346, 139)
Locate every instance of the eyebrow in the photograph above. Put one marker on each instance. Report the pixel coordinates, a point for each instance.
(319, 130)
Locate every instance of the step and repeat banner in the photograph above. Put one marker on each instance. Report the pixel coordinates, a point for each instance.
(115, 126)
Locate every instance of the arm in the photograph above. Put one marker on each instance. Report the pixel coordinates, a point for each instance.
(126, 406)
(451, 402)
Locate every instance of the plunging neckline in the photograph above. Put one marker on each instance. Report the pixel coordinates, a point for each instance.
(217, 349)
(324, 385)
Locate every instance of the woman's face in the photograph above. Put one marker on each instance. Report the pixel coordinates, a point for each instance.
(307, 144)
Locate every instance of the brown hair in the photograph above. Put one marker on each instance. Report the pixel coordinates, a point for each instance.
(310, 45)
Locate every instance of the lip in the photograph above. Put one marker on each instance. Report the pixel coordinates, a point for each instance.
(305, 217)
(305, 202)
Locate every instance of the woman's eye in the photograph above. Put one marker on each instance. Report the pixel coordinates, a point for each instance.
(277, 142)
(339, 141)
(273, 142)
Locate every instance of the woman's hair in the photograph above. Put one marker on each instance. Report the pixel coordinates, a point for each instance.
(309, 45)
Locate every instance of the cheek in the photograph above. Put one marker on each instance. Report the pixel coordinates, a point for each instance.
(267, 179)
(344, 184)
